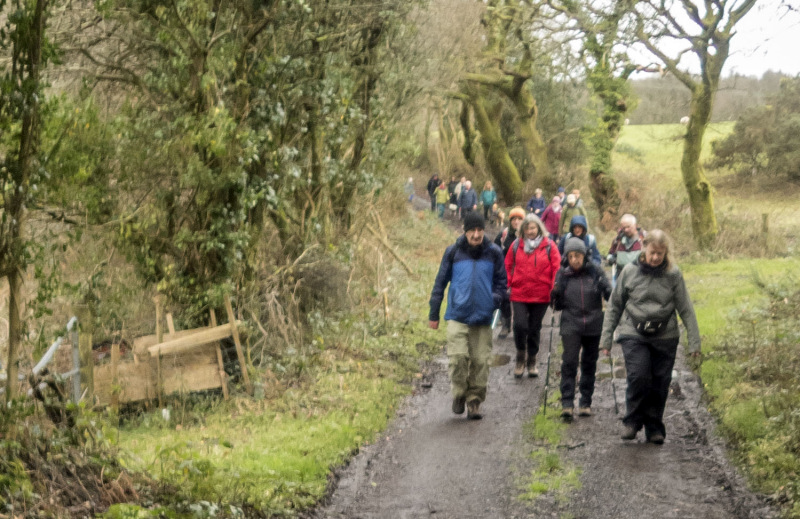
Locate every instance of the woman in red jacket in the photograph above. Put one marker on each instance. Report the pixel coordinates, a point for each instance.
(531, 264)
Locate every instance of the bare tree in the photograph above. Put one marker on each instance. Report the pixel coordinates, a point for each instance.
(702, 30)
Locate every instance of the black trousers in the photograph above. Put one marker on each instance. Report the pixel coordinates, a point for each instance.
(433, 200)
(528, 326)
(649, 363)
(585, 348)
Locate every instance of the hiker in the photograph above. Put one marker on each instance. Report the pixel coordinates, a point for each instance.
(642, 311)
(537, 203)
(561, 193)
(451, 188)
(569, 210)
(578, 199)
(504, 239)
(433, 183)
(551, 217)
(442, 196)
(473, 267)
(532, 262)
(579, 291)
(627, 245)
(578, 229)
(408, 188)
(467, 200)
(488, 198)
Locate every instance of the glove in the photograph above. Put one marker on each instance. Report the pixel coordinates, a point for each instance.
(611, 259)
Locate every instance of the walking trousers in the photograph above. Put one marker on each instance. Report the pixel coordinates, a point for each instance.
(649, 363)
(528, 327)
(586, 348)
(468, 351)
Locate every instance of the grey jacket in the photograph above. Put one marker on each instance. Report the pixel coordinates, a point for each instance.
(643, 296)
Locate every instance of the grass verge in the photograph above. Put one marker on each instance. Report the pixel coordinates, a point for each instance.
(747, 311)
(274, 456)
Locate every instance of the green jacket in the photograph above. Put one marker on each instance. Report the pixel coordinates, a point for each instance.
(566, 217)
(642, 296)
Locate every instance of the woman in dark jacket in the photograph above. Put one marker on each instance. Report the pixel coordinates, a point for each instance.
(580, 289)
(504, 239)
(649, 295)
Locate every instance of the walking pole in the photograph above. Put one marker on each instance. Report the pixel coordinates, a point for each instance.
(547, 370)
(613, 385)
(495, 318)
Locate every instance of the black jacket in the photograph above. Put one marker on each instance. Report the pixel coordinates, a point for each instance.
(579, 295)
(505, 244)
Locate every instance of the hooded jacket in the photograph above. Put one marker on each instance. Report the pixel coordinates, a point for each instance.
(579, 295)
(531, 276)
(477, 281)
(643, 293)
(588, 239)
(567, 213)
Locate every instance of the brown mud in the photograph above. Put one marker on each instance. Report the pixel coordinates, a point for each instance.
(432, 463)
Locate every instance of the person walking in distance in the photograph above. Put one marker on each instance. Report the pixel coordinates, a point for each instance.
(442, 197)
(504, 239)
(532, 262)
(567, 212)
(643, 309)
(433, 183)
(581, 286)
(488, 198)
(467, 200)
(537, 203)
(473, 267)
(551, 217)
(627, 245)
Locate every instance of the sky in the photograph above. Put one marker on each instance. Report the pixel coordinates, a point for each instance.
(767, 38)
(766, 41)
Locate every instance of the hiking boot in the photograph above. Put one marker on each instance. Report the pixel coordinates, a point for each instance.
(629, 433)
(473, 410)
(533, 371)
(584, 411)
(458, 404)
(656, 438)
(519, 369)
(566, 413)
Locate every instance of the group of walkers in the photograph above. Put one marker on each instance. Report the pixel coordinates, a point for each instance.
(532, 266)
(459, 198)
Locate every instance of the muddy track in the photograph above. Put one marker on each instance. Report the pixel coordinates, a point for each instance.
(432, 463)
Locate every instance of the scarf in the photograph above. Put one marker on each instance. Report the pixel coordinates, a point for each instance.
(530, 245)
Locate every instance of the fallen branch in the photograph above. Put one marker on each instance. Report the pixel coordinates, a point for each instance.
(388, 246)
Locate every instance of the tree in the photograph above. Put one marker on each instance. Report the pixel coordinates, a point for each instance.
(21, 91)
(766, 139)
(704, 31)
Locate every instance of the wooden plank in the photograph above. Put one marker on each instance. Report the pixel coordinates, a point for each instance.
(223, 377)
(141, 344)
(85, 336)
(132, 378)
(191, 378)
(201, 337)
(114, 375)
(170, 323)
(239, 352)
(159, 380)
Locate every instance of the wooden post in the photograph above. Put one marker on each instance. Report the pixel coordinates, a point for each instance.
(170, 323)
(765, 227)
(223, 377)
(115, 389)
(159, 301)
(85, 339)
(238, 343)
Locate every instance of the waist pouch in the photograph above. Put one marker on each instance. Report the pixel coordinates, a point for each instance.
(650, 328)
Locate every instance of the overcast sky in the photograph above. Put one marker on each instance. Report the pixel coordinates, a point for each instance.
(766, 41)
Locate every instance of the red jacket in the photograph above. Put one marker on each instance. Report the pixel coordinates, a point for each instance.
(550, 219)
(531, 276)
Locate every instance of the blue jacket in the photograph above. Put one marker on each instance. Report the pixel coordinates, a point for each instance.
(467, 199)
(536, 206)
(477, 281)
(591, 243)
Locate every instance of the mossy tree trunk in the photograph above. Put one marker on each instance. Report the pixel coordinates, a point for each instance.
(505, 174)
(466, 128)
(712, 27)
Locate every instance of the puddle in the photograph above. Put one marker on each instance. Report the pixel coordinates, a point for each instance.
(499, 360)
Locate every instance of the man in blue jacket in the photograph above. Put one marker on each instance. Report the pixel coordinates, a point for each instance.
(475, 270)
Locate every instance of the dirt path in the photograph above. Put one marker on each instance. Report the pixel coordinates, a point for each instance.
(431, 463)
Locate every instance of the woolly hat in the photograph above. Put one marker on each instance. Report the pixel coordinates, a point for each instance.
(571, 199)
(561, 189)
(473, 220)
(517, 212)
(574, 245)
